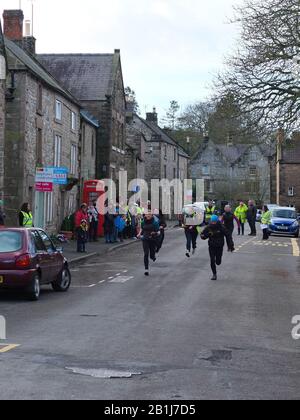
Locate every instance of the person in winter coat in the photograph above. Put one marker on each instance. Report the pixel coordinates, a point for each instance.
(109, 225)
(26, 217)
(191, 228)
(120, 224)
(251, 217)
(80, 215)
(162, 228)
(82, 236)
(149, 234)
(265, 222)
(241, 214)
(216, 234)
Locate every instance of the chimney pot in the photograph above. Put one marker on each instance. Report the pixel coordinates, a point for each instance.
(152, 116)
(13, 24)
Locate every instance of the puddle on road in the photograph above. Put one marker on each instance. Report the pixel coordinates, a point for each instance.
(103, 373)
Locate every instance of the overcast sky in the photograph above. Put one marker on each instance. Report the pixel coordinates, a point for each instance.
(170, 49)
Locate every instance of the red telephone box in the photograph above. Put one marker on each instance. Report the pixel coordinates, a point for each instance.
(92, 192)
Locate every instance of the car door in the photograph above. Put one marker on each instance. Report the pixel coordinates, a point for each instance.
(55, 257)
(43, 259)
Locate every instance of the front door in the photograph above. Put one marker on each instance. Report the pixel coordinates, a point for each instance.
(39, 210)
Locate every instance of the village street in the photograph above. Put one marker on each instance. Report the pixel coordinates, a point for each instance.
(175, 335)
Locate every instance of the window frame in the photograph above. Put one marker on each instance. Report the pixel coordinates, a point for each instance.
(58, 110)
(57, 150)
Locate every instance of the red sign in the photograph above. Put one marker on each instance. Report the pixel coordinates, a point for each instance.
(44, 186)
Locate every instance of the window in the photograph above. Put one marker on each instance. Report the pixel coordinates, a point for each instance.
(175, 154)
(47, 241)
(57, 151)
(174, 173)
(10, 241)
(165, 171)
(37, 241)
(58, 110)
(73, 159)
(39, 146)
(49, 207)
(208, 186)
(166, 152)
(73, 121)
(39, 107)
(253, 171)
(291, 192)
(253, 156)
(205, 170)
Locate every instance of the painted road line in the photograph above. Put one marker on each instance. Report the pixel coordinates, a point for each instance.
(296, 250)
(8, 347)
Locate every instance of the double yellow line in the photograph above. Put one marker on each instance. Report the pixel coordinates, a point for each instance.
(296, 250)
(7, 348)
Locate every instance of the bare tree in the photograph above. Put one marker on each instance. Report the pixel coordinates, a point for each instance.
(171, 118)
(263, 74)
(196, 116)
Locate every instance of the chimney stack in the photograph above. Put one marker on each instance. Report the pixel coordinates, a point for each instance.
(152, 116)
(13, 24)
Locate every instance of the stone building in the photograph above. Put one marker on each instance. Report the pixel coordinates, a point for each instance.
(288, 171)
(87, 147)
(2, 110)
(97, 81)
(234, 172)
(42, 130)
(164, 157)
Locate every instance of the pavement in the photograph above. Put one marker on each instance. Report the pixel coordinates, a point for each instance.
(175, 335)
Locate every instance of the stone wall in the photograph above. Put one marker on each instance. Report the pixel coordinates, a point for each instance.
(289, 177)
(88, 152)
(23, 121)
(111, 136)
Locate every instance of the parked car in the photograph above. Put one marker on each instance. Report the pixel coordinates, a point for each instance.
(29, 259)
(285, 222)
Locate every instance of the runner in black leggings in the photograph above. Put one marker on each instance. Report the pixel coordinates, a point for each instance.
(216, 234)
(149, 235)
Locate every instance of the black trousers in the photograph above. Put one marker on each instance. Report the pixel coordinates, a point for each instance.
(252, 224)
(216, 255)
(266, 234)
(191, 239)
(149, 246)
(229, 241)
(242, 228)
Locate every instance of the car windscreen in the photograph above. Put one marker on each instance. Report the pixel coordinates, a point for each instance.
(285, 214)
(10, 241)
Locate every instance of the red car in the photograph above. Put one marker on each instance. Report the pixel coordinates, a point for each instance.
(29, 259)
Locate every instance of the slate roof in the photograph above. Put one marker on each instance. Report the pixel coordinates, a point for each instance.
(233, 153)
(20, 60)
(161, 135)
(87, 76)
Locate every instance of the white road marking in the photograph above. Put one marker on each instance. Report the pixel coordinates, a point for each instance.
(121, 279)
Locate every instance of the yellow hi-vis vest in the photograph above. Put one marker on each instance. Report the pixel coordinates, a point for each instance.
(27, 219)
(209, 212)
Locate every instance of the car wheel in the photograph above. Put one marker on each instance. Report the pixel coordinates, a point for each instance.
(297, 234)
(63, 282)
(34, 290)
